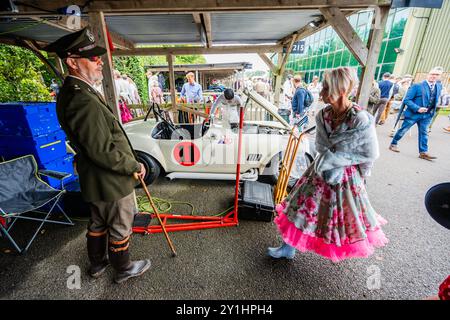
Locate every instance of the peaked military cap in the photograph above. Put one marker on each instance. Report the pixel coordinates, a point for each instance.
(80, 43)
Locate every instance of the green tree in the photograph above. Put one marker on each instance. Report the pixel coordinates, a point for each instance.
(132, 67)
(22, 76)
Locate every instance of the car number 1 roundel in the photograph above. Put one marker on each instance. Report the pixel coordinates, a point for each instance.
(186, 153)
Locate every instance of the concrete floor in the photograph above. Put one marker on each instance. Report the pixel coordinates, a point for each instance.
(230, 263)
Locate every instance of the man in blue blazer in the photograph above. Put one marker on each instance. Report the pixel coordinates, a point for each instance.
(421, 101)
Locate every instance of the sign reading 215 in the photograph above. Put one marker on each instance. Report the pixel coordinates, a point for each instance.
(297, 48)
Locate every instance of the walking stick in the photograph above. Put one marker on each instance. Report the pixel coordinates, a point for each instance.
(402, 108)
(174, 254)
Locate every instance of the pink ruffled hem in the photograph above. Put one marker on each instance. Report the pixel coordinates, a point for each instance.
(304, 242)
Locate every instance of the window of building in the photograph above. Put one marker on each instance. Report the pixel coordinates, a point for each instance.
(326, 50)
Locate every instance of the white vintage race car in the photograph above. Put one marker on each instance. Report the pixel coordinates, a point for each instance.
(209, 150)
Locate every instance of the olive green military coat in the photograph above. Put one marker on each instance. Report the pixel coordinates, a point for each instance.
(105, 160)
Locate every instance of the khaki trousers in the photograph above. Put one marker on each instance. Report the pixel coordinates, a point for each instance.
(386, 111)
(116, 217)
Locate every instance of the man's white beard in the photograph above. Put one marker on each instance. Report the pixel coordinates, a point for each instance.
(92, 81)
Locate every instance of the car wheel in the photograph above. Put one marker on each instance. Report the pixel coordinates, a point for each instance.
(275, 166)
(152, 167)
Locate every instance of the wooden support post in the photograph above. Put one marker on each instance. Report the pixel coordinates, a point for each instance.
(59, 64)
(278, 77)
(346, 32)
(98, 27)
(374, 45)
(268, 62)
(173, 96)
(282, 59)
(208, 28)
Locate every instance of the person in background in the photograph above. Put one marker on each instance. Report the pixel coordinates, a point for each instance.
(315, 87)
(260, 87)
(192, 91)
(248, 84)
(394, 91)
(374, 97)
(128, 89)
(328, 211)
(98, 85)
(120, 85)
(54, 87)
(157, 94)
(288, 92)
(151, 79)
(133, 91)
(298, 106)
(267, 89)
(229, 103)
(385, 95)
(404, 85)
(161, 81)
(439, 107)
(421, 101)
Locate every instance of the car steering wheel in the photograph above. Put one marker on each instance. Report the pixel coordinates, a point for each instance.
(206, 124)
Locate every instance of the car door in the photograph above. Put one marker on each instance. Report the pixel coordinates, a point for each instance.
(186, 155)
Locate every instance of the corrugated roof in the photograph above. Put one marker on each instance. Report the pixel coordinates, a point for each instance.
(258, 27)
(31, 29)
(154, 29)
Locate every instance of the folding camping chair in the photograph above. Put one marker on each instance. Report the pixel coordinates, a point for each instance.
(23, 192)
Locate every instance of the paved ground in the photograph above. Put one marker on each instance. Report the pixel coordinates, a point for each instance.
(230, 263)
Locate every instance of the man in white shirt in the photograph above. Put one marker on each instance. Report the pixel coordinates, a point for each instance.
(230, 104)
(288, 92)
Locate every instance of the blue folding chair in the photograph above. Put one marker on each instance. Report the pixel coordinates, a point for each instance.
(23, 193)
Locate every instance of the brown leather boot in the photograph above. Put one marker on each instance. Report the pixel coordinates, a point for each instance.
(119, 256)
(426, 156)
(96, 246)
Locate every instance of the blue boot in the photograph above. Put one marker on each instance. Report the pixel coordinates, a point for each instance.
(283, 251)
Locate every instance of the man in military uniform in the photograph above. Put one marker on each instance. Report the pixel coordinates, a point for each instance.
(106, 162)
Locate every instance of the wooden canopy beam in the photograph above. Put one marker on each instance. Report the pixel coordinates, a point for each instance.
(158, 51)
(346, 32)
(268, 62)
(164, 6)
(63, 23)
(307, 30)
(286, 55)
(182, 69)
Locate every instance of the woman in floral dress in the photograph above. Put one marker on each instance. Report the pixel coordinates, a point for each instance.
(328, 211)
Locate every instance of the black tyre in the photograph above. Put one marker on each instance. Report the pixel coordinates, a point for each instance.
(152, 167)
